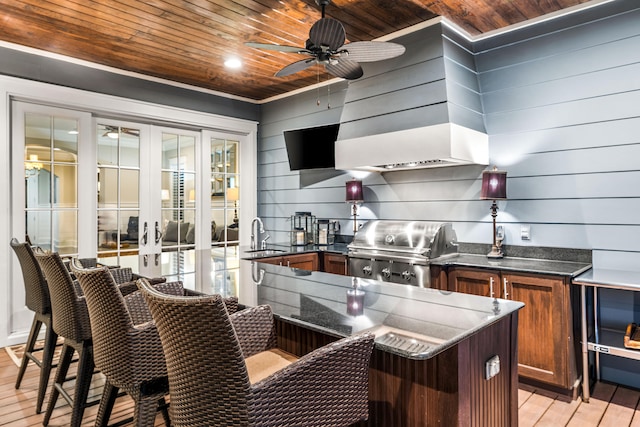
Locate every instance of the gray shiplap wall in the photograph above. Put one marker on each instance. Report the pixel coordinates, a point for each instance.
(562, 111)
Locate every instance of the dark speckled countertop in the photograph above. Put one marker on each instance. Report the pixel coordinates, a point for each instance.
(557, 261)
(525, 265)
(413, 322)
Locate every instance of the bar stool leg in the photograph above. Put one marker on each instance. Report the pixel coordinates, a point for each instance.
(109, 394)
(50, 341)
(31, 342)
(83, 383)
(61, 373)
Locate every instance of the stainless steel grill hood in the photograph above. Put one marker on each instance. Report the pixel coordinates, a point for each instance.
(420, 110)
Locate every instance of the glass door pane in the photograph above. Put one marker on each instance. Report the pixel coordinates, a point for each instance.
(118, 191)
(225, 192)
(51, 181)
(178, 191)
(225, 208)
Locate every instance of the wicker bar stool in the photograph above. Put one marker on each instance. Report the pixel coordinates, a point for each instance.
(127, 348)
(37, 300)
(226, 371)
(70, 321)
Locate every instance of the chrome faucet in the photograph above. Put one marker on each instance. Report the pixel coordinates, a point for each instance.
(260, 229)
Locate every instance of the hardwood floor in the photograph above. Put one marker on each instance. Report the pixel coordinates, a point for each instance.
(17, 407)
(610, 405)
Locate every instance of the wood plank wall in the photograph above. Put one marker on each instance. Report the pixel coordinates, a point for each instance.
(562, 111)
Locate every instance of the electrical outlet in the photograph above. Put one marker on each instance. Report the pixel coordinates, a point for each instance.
(525, 232)
(492, 367)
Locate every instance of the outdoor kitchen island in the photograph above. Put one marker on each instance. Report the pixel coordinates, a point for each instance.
(441, 358)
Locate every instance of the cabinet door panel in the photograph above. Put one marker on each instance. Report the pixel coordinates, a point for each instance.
(476, 282)
(302, 261)
(542, 333)
(335, 263)
(275, 260)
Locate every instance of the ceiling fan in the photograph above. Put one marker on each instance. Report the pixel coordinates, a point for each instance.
(326, 46)
(114, 131)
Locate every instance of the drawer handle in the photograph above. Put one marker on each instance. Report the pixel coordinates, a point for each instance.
(506, 283)
(491, 293)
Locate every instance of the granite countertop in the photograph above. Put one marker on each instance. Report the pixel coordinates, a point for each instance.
(527, 265)
(609, 278)
(508, 263)
(413, 322)
(283, 249)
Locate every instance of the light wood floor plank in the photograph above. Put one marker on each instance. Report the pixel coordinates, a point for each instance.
(533, 410)
(559, 413)
(621, 408)
(590, 414)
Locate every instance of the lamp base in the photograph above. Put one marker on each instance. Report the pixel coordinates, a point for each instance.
(495, 253)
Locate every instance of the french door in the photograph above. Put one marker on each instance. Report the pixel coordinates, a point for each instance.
(71, 185)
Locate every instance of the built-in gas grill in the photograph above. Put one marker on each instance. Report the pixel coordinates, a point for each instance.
(400, 251)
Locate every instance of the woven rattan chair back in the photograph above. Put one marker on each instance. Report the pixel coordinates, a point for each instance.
(116, 349)
(37, 300)
(70, 321)
(208, 378)
(71, 317)
(130, 357)
(35, 287)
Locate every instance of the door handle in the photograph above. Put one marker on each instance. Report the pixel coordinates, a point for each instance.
(491, 293)
(158, 233)
(505, 283)
(145, 234)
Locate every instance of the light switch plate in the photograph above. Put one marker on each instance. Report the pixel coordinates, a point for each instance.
(492, 367)
(525, 232)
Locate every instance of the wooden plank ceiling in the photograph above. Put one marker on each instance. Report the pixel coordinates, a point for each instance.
(187, 41)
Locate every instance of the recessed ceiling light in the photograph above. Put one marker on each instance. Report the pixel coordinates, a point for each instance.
(233, 63)
(73, 132)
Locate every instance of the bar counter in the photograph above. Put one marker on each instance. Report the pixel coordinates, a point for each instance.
(441, 358)
(433, 348)
(340, 305)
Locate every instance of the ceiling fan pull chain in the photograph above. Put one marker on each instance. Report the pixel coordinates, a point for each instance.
(318, 86)
(328, 93)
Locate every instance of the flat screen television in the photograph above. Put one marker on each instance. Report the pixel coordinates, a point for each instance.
(312, 148)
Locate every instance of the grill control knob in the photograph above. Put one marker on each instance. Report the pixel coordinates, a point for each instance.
(406, 275)
(389, 239)
(366, 270)
(386, 272)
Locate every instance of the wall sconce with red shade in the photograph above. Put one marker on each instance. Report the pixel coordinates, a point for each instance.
(354, 196)
(494, 187)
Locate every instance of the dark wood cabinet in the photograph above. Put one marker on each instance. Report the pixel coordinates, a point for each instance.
(305, 261)
(546, 349)
(335, 263)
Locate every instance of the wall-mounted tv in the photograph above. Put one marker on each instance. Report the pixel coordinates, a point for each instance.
(312, 148)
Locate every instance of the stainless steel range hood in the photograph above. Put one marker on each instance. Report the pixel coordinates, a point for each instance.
(420, 110)
(440, 145)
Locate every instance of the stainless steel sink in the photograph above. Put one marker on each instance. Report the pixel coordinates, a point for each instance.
(264, 252)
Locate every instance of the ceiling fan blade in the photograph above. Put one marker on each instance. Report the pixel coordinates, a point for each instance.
(371, 51)
(327, 32)
(345, 68)
(277, 47)
(295, 67)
